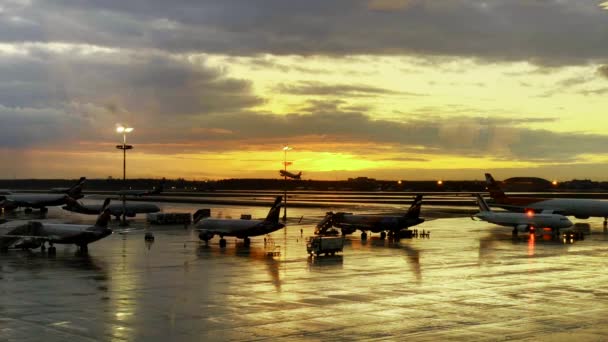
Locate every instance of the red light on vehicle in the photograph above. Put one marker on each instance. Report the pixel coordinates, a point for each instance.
(530, 213)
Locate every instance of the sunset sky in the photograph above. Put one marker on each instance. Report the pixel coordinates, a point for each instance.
(390, 89)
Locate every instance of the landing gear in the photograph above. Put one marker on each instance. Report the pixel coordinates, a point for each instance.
(391, 235)
(246, 242)
(514, 232)
(28, 210)
(83, 248)
(52, 250)
(364, 236)
(382, 235)
(43, 247)
(222, 242)
(605, 221)
(44, 210)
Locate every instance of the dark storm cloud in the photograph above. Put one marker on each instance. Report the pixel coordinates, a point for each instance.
(603, 71)
(500, 138)
(322, 89)
(73, 94)
(550, 32)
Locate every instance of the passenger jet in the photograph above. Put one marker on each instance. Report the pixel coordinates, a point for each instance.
(242, 228)
(348, 222)
(41, 201)
(581, 208)
(34, 234)
(521, 222)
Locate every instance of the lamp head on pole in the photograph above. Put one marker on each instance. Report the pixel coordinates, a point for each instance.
(287, 148)
(122, 129)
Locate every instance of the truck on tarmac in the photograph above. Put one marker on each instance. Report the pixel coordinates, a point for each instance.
(327, 245)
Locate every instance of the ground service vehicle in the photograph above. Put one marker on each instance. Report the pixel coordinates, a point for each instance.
(318, 245)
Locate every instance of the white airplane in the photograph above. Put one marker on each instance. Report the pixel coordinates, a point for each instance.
(34, 234)
(242, 229)
(116, 209)
(581, 208)
(521, 222)
(291, 175)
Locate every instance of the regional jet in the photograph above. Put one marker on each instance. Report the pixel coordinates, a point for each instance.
(116, 209)
(242, 229)
(581, 208)
(288, 174)
(41, 201)
(348, 222)
(34, 234)
(521, 222)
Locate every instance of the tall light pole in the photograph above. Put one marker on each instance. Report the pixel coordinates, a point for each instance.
(285, 149)
(120, 129)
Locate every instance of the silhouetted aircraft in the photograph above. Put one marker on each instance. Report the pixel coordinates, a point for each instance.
(348, 222)
(116, 209)
(34, 234)
(241, 228)
(291, 175)
(42, 201)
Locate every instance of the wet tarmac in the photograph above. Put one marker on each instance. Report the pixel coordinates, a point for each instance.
(469, 281)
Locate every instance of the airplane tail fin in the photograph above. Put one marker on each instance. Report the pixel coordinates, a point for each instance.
(275, 210)
(483, 206)
(76, 190)
(414, 210)
(200, 214)
(104, 215)
(494, 189)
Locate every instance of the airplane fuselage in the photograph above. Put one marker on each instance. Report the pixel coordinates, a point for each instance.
(116, 209)
(528, 220)
(577, 207)
(376, 223)
(36, 200)
(33, 234)
(237, 228)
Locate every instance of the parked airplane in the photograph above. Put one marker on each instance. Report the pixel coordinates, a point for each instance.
(34, 234)
(139, 193)
(288, 174)
(116, 209)
(41, 201)
(74, 191)
(348, 222)
(242, 229)
(521, 222)
(581, 208)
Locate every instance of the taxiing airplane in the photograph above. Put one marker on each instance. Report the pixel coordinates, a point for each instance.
(521, 222)
(34, 234)
(242, 228)
(581, 208)
(288, 174)
(41, 201)
(116, 209)
(348, 222)
(139, 193)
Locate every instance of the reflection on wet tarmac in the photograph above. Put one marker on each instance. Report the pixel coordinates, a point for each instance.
(470, 281)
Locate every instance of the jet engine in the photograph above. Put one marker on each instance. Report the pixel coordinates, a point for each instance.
(523, 228)
(205, 236)
(28, 243)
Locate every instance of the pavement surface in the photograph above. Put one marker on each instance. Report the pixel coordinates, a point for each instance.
(469, 281)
